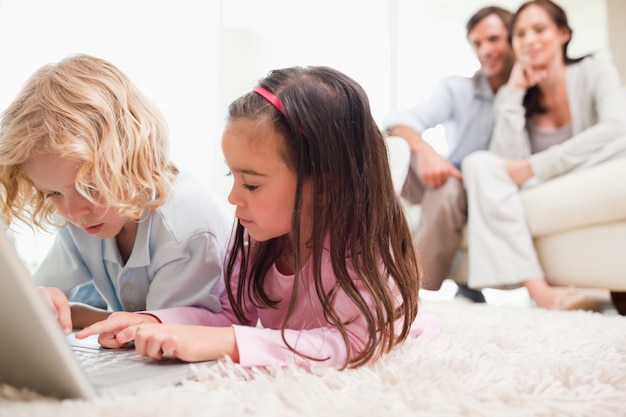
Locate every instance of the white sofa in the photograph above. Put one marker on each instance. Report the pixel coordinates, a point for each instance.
(580, 234)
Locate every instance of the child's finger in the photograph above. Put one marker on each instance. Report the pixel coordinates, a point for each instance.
(110, 325)
(64, 316)
(170, 346)
(58, 304)
(109, 340)
(126, 335)
(146, 343)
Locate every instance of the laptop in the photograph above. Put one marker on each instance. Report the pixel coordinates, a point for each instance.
(35, 354)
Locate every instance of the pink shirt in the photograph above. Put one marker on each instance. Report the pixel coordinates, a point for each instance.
(307, 330)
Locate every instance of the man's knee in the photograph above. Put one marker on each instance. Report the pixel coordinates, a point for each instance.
(450, 197)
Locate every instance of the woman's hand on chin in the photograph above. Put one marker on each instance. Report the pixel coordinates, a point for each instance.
(525, 76)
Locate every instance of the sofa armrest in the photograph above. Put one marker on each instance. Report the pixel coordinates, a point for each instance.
(399, 155)
(583, 198)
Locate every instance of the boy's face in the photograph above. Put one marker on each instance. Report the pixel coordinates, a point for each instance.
(55, 178)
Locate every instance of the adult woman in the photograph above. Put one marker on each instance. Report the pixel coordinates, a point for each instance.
(556, 115)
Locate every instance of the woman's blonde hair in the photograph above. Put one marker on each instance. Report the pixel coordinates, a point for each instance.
(86, 111)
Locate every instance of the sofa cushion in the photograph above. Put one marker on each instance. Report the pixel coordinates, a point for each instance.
(585, 198)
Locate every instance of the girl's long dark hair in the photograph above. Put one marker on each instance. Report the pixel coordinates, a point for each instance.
(331, 139)
(532, 99)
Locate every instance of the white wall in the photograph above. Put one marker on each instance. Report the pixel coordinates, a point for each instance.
(169, 49)
(193, 57)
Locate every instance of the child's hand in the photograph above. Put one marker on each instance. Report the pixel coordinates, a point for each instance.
(186, 342)
(118, 329)
(59, 305)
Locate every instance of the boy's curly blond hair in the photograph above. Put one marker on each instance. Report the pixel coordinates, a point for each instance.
(86, 111)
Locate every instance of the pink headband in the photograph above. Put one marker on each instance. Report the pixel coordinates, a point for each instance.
(269, 96)
(274, 101)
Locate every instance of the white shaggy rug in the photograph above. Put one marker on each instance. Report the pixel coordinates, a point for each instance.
(489, 361)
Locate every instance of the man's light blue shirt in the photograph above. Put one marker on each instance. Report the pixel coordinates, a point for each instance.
(464, 105)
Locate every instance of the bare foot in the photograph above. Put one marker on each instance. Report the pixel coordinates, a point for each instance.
(554, 298)
(544, 295)
(572, 299)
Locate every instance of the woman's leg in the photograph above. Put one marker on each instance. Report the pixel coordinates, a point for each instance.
(500, 246)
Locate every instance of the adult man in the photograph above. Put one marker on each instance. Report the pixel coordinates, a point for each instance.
(466, 105)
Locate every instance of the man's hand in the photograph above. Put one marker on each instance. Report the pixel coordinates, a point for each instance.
(434, 170)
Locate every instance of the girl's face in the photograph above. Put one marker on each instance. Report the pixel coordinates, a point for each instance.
(264, 186)
(55, 178)
(537, 40)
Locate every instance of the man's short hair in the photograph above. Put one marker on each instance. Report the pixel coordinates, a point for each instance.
(504, 15)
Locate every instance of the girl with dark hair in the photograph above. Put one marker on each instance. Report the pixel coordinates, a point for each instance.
(555, 116)
(321, 257)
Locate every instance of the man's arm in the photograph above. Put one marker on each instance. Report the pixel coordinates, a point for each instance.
(432, 169)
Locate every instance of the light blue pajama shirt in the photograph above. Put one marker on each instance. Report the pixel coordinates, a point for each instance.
(177, 258)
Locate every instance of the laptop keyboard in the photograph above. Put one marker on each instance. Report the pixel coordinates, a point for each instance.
(93, 360)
